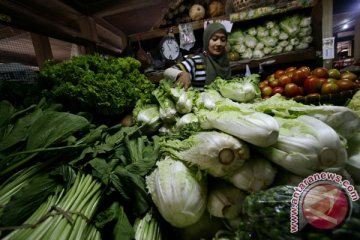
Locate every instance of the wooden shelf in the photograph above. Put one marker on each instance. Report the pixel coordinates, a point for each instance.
(158, 33)
(293, 56)
(271, 11)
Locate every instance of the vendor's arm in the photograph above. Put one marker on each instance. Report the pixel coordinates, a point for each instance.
(188, 72)
(181, 78)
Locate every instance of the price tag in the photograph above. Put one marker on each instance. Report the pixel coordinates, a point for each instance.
(328, 48)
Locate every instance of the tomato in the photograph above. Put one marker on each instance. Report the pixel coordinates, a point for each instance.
(348, 75)
(334, 73)
(279, 73)
(290, 74)
(266, 91)
(283, 80)
(301, 90)
(323, 80)
(298, 77)
(329, 87)
(298, 98)
(263, 84)
(345, 85)
(290, 69)
(313, 95)
(306, 70)
(279, 90)
(331, 80)
(291, 90)
(274, 82)
(270, 77)
(320, 72)
(312, 84)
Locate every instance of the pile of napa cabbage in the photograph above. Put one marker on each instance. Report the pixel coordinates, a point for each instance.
(218, 148)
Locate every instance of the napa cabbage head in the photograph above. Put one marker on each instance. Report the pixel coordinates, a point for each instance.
(244, 89)
(147, 114)
(185, 101)
(207, 99)
(248, 125)
(257, 173)
(306, 145)
(187, 119)
(217, 153)
(178, 192)
(236, 38)
(167, 107)
(334, 116)
(353, 164)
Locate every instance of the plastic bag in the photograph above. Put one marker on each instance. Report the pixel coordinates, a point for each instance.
(187, 37)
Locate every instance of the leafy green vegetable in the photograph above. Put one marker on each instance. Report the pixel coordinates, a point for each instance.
(181, 208)
(256, 174)
(306, 145)
(217, 153)
(238, 89)
(106, 86)
(253, 127)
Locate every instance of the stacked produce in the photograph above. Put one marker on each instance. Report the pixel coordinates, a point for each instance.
(191, 165)
(296, 82)
(272, 37)
(241, 146)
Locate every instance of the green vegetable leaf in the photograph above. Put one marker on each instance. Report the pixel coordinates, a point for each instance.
(28, 199)
(43, 133)
(101, 170)
(6, 111)
(123, 228)
(19, 132)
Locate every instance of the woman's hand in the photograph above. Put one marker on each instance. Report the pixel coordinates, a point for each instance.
(184, 80)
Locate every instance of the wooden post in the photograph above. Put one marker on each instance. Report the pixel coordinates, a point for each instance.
(88, 30)
(42, 49)
(327, 26)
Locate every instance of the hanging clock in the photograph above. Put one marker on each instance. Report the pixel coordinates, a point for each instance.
(169, 48)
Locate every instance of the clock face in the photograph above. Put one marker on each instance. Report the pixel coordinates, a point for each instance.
(170, 49)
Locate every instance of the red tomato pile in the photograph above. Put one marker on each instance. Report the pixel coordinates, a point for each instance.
(299, 82)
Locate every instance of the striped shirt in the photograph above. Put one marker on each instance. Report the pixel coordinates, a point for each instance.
(196, 67)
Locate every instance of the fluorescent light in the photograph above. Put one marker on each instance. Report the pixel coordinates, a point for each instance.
(345, 26)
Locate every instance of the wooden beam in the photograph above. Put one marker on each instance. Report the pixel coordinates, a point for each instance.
(127, 6)
(42, 49)
(114, 30)
(107, 36)
(10, 57)
(8, 32)
(157, 33)
(22, 17)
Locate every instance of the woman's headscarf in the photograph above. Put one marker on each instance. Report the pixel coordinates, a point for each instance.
(215, 65)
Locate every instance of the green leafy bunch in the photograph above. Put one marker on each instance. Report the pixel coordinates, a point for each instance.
(104, 86)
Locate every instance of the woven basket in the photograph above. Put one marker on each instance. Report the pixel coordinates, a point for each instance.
(241, 5)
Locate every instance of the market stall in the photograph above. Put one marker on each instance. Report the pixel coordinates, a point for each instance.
(104, 147)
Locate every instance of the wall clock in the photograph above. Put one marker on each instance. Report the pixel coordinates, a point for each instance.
(169, 48)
